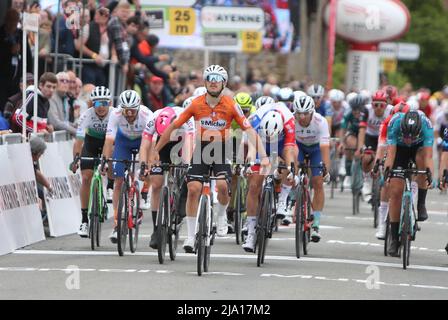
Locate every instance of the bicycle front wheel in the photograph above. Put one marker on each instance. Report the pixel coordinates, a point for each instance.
(162, 225)
(122, 220)
(237, 212)
(376, 194)
(174, 227)
(262, 227)
(201, 235)
(388, 237)
(406, 231)
(135, 209)
(93, 228)
(300, 218)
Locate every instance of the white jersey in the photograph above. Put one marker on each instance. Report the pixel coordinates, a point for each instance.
(315, 133)
(187, 128)
(119, 124)
(92, 125)
(372, 122)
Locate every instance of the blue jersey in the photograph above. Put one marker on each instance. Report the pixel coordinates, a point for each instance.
(325, 109)
(395, 136)
(445, 140)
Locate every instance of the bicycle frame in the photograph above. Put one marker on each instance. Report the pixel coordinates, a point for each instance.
(407, 194)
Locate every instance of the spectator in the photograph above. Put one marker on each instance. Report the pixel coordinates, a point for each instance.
(116, 29)
(61, 115)
(96, 46)
(66, 43)
(84, 98)
(45, 24)
(10, 56)
(14, 102)
(155, 96)
(38, 148)
(77, 103)
(47, 86)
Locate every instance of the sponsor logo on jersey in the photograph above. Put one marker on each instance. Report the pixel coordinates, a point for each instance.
(210, 124)
(99, 126)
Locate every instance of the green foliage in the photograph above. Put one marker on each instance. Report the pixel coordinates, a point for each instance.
(398, 79)
(429, 28)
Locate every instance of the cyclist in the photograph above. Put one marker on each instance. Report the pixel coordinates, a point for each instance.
(89, 142)
(322, 106)
(275, 126)
(313, 139)
(369, 131)
(261, 101)
(244, 100)
(349, 134)
(338, 107)
(410, 136)
(124, 133)
(380, 155)
(214, 113)
(286, 95)
(181, 140)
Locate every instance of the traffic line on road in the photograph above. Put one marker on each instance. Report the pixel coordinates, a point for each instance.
(368, 244)
(361, 281)
(236, 256)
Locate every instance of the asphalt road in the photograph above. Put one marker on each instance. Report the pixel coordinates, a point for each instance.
(348, 263)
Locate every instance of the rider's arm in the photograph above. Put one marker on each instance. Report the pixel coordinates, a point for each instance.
(108, 147)
(145, 149)
(428, 142)
(325, 144)
(80, 133)
(77, 147)
(361, 137)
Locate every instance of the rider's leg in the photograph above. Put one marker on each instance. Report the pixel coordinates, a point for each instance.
(255, 182)
(422, 185)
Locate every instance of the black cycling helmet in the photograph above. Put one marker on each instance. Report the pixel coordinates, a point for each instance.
(357, 103)
(411, 124)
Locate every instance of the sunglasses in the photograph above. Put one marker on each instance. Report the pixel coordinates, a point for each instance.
(379, 104)
(100, 103)
(214, 78)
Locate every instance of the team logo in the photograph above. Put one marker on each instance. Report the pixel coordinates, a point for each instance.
(209, 124)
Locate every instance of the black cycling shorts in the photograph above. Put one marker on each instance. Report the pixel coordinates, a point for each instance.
(165, 156)
(371, 142)
(403, 156)
(216, 154)
(92, 148)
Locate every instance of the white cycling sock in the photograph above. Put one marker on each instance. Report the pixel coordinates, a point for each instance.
(251, 223)
(283, 196)
(191, 226)
(221, 210)
(384, 207)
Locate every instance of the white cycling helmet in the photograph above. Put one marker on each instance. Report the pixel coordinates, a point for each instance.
(199, 91)
(336, 95)
(187, 102)
(367, 95)
(298, 94)
(303, 104)
(217, 70)
(315, 91)
(350, 96)
(263, 100)
(129, 99)
(100, 93)
(285, 94)
(274, 91)
(271, 125)
(413, 104)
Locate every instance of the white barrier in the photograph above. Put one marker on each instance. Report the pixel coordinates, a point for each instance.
(63, 208)
(20, 218)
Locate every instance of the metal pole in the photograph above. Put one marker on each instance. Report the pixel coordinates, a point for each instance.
(36, 65)
(82, 40)
(56, 51)
(206, 58)
(24, 114)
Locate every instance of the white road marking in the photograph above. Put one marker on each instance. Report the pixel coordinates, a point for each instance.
(368, 244)
(236, 256)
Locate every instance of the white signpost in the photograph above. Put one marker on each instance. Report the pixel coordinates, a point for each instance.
(30, 24)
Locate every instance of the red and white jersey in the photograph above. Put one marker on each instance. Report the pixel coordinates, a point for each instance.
(118, 123)
(372, 122)
(287, 116)
(315, 133)
(186, 129)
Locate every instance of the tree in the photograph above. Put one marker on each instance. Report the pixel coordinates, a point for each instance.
(429, 29)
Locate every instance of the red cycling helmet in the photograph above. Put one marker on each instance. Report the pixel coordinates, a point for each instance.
(400, 107)
(379, 96)
(164, 119)
(423, 96)
(390, 91)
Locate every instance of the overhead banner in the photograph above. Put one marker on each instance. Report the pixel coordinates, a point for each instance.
(20, 217)
(272, 25)
(63, 208)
